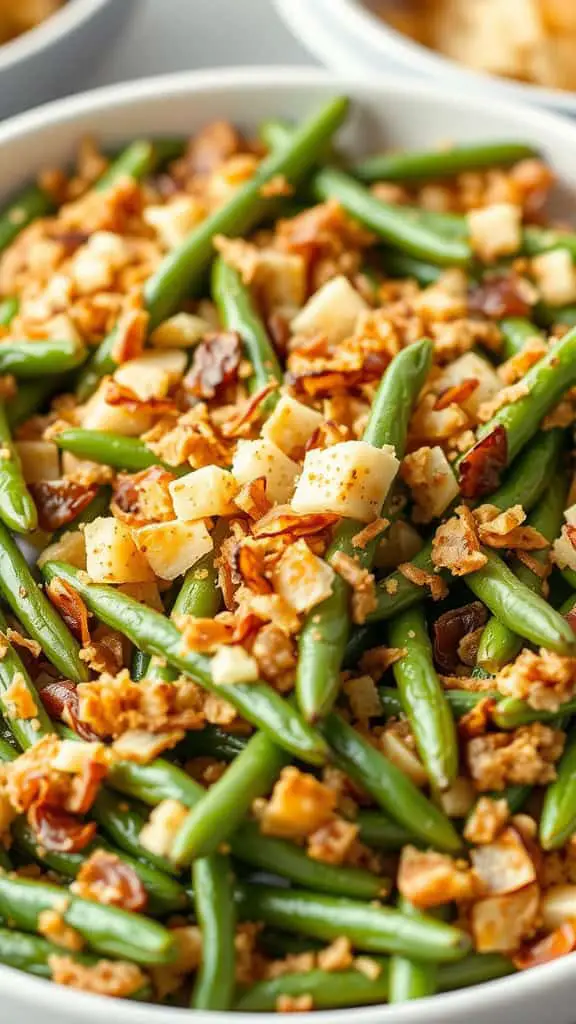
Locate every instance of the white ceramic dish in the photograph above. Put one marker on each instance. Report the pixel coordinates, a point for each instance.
(347, 37)
(390, 112)
(55, 57)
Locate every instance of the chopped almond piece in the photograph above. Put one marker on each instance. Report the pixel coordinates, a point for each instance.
(159, 831)
(456, 545)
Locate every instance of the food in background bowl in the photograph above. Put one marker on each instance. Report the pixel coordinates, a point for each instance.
(378, 376)
(528, 40)
(18, 16)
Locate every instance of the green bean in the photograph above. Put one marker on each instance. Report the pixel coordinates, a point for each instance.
(326, 629)
(499, 644)
(138, 160)
(398, 264)
(423, 698)
(129, 454)
(474, 969)
(459, 701)
(214, 901)
(284, 858)
(238, 313)
(558, 819)
(510, 712)
(211, 741)
(537, 240)
(442, 163)
(371, 928)
(8, 748)
(153, 782)
(8, 309)
(524, 485)
(516, 331)
(29, 399)
(26, 359)
(29, 205)
(411, 979)
(17, 509)
(200, 594)
(183, 270)
(545, 384)
(164, 895)
(381, 832)
(27, 731)
(123, 823)
(224, 805)
(392, 790)
(154, 634)
(31, 954)
(138, 665)
(518, 607)
(32, 608)
(107, 930)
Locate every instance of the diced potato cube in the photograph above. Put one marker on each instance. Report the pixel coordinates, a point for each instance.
(495, 230)
(208, 491)
(171, 548)
(152, 374)
(183, 330)
(232, 664)
(70, 547)
(351, 478)
(431, 480)
(253, 459)
(112, 555)
(555, 276)
(302, 578)
(173, 221)
(333, 311)
(101, 415)
(291, 425)
(40, 460)
(564, 551)
(472, 367)
(280, 279)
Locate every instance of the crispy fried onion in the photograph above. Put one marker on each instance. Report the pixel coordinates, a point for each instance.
(482, 467)
(505, 530)
(119, 394)
(105, 878)
(112, 705)
(282, 519)
(215, 364)
(71, 607)
(456, 546)
(423, 578)
(451, 628)
(249, 413)
(143, 497)
(59, 501)
(252, 499)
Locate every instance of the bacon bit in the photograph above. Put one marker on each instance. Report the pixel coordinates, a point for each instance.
(281, 519)
(112, 705)
(252, 500)
(482, 467)
(61, 702)
(143, 497)
(501, 295)
(429, 879)
(423, 578)
(26, 642)
(71, 607)
(370, 532)
(215, 364)
(58, 831)
(559, 943)
(60, 501)
(130, 335)
(476, 721)
(117, 978)
(107, 879)
(451, 627)
(362, 583)
(457, 394)
(249, 413)
(455, 545)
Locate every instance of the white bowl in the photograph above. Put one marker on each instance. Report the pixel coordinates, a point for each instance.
(389, 112)
(348, 37)
(52, 59)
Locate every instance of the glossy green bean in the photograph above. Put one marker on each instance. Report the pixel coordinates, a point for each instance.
(427, 165)
(326, 629)
(227, 802)
(382, 832)
(29, 359)
(123, 822)
(139, 159)
(183, 270)
(129, 454)
(516, 331)
(558, 818)
(155, 634)
(107, 930)
(374, 929)
(510, 712)
(399, 264)
(31, 954)
(459, 701)
(26, 731)
(8, 309)
(32, 608)
(391, 789)
(408, 978)
(423, 698)
(17, 508)
(30, 398)
(29, 205)
(215, 909)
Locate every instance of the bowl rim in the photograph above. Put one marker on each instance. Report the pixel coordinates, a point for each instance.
(65, 20)
(34, 991)
(377, 35)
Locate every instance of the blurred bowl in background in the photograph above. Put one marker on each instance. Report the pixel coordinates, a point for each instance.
(54, 58)
(350, 38)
